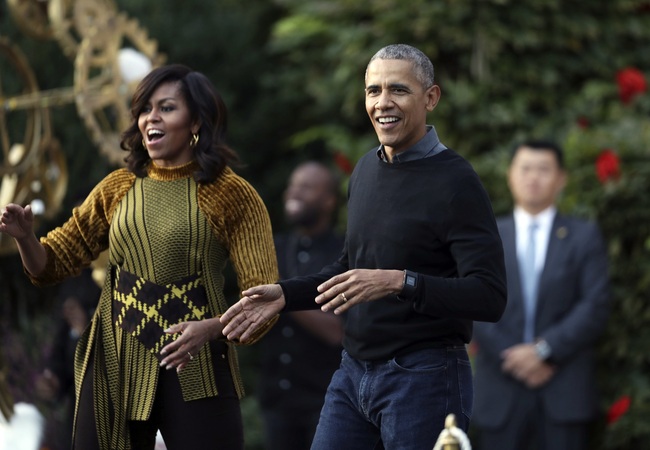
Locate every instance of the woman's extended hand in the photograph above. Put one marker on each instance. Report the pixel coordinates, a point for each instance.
(192, 336)
(16, 221)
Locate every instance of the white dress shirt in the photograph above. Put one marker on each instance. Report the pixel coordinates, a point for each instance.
(544, 221)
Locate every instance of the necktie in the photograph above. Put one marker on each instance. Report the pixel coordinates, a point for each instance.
(530, 279)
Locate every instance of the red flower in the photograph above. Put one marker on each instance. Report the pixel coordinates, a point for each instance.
(583, 122)
(630, 83)
(618, 408)
(343, 163)
(607, 166)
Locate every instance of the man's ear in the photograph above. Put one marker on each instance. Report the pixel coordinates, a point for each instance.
(433, 96)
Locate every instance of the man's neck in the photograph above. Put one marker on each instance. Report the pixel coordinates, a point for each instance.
(534, 210)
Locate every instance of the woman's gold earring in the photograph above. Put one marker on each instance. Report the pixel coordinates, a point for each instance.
(195, 140)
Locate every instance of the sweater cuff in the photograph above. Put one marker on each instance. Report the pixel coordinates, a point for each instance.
(409, 286)
(286, 298)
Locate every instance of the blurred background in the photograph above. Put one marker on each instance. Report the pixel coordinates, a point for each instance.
(291, 73)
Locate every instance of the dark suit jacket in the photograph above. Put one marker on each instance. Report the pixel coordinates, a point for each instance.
(572, 310)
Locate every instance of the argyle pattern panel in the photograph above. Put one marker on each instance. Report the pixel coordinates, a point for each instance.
(145, 309)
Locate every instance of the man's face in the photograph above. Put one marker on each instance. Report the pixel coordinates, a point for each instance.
(308, 196)
(535, 179)
(397, 103)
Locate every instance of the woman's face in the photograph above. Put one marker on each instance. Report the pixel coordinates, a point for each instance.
(165, 124)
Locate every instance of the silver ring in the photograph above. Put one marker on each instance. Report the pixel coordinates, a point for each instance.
(190, 355)
(345, 300)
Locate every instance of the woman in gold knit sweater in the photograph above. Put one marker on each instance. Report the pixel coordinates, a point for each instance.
(170, 220)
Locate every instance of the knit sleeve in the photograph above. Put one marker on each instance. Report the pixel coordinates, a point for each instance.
(75, 244)
(241, 221)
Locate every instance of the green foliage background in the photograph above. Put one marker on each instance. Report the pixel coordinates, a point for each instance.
(291, 72)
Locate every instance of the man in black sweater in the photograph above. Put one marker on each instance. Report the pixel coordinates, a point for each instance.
(422, 260)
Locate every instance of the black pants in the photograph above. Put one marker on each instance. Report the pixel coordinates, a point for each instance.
(213, 423)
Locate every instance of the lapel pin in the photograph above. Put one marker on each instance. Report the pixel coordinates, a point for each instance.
(562, 232)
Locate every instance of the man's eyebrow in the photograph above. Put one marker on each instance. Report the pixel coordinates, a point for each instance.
(399, 86)
(390, 86)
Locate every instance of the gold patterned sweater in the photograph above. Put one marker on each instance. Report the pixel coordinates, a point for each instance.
(162, 228)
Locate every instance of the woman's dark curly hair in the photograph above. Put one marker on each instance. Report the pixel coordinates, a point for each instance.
(206, 107)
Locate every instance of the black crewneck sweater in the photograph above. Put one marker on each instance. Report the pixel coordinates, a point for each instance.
(431, 216)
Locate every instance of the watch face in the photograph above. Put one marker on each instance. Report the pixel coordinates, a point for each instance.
(542, 349)
(410, 281)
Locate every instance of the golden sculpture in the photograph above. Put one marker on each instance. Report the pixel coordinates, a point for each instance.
(31, 18)
(73, 20)
(452, 437)
(110, 54)
(33, 166)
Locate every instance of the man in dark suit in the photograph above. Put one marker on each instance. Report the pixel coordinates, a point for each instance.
(535, 375)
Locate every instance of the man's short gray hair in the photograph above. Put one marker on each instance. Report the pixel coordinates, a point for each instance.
(421, 63)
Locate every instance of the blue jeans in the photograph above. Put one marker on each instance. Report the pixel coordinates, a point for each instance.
(400, 404)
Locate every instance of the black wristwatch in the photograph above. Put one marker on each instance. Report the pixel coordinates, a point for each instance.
(409, 285)
(543, 350)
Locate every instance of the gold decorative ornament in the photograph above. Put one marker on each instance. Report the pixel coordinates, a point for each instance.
(20, 127)
(73, 20)
(102, 85)
(31, 18)
(112, 58)
(33, 168)
(452, 437)
(111, 55)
